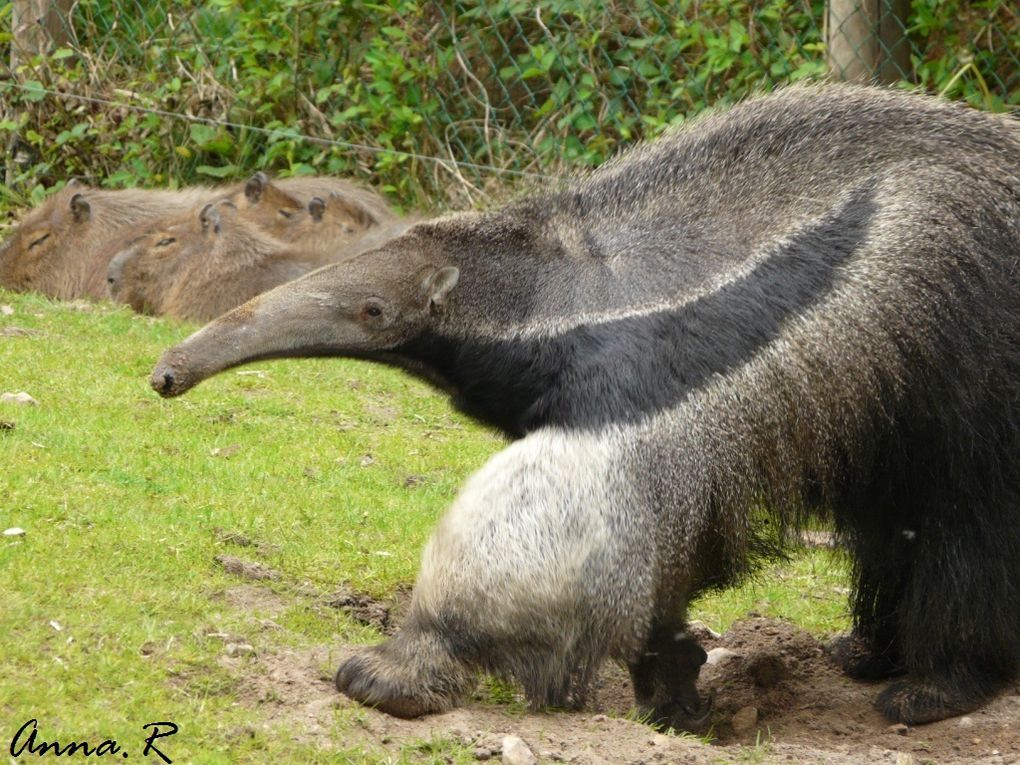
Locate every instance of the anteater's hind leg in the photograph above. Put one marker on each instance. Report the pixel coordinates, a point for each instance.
(959, 615)
(936, 601)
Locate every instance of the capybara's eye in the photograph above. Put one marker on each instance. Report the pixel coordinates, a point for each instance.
(166, 242)
(285, 213)
(39, 241)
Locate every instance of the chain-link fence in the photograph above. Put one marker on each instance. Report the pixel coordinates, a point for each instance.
(440, 103)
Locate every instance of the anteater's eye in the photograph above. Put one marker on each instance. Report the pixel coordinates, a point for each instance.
(166, 242)
(373, 310)
(39, 241)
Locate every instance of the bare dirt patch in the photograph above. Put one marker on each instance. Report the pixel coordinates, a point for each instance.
(247, 569)
(802, 710)
(778, 699)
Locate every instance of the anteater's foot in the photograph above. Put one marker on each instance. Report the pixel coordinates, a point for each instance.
(685, 717)
(404, 677)
(915, 701)
(855, 656)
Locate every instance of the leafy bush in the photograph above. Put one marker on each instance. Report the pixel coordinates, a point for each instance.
(391, 92)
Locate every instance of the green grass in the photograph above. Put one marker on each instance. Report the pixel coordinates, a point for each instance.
(125, 500)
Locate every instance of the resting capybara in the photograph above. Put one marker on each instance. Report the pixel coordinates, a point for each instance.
(808, 304)
(339, 223)
(204, 263)
(275, 204)
(62, 247)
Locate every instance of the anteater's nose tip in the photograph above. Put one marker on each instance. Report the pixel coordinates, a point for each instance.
(163, 381)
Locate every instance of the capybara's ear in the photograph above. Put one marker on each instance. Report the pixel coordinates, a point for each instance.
(255, 186)
(80, 208)
(316, 207)
(210, 218)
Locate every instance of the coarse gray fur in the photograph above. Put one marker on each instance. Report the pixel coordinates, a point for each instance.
(807, 304)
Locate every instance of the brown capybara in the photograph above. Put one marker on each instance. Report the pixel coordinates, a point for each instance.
(199, 265)
(275, 204)
(341, 226)
(62, 247)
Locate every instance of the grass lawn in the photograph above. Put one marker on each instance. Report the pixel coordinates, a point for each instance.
(111, 604)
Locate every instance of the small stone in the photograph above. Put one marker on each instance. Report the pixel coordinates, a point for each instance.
(239, 649)
(6, 310)
(482, 754)
(720, 655)
(899, 729)
(817, 539)
(14, 531)
(904, 758)
(965, 722)
(225, 451)
(975, 741)
(660, 740)
(745, 720)
(367, 460)
(7, 425)
(18, 398)
(599, 719)
(516, 752)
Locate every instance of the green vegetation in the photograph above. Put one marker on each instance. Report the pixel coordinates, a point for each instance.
(383, 86)
(113, 610)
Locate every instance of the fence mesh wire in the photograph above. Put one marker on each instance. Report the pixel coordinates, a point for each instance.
(440, 102)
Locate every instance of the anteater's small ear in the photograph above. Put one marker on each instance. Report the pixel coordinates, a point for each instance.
(210, 218)
(80, 208)
(440, 283)
(316, 207)
(255, 186)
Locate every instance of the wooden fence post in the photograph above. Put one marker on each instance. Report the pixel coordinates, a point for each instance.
(866, 41)
(38, 27)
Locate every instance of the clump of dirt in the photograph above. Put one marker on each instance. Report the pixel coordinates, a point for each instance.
(780, 679)
(246, 569)
(383, 615)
